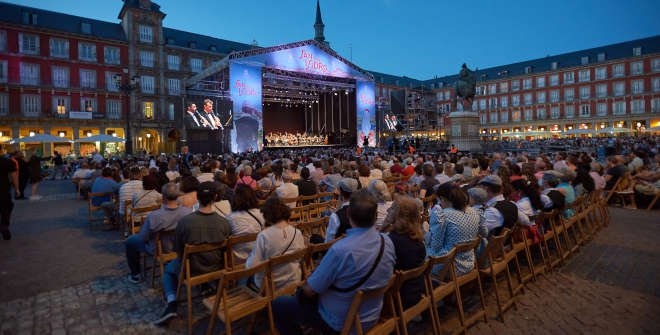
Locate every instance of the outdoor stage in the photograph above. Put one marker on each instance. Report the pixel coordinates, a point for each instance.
(314, 146)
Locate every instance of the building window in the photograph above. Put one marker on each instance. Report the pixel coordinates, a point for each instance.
(173, 62)
(504, 87)
(554, 65)
(655, 63)
(147, 84)
(569, 94)
(3, 40)
(196, 65)
(527, 83)
(584, 60)
(61, 76)
(148, 110)
(447, 95)
(504, 116)
(554, 80)
(87, 52)
(111, 55)
(504, 101)
(601, 109)
(515, 116)
(113, 109)
(601, 73)
(170, 112)
(3, 71)
(540, 114)
(637, 106)
(147, 58)
(4, 104)
(173, 86)
(619, 89)
(584, 75)
(110, 84)
(585, 92)
(554, 112)
(656, 82)
(87, 78)
(618, 70)
(637, 86)
(655, 105)
(88, 104)
(529, 115)
(637, 51)
(61, 105)
(30, 104)
(528, 69)
(568, 78)
(29, 74)
(146, 33)
(601, 57)
(569, 110)
(480, 90)
(585, 111)
(540, 97)
(515, 85)
(86, 28)
(540, 82)
(636, 68)
(59, 48)
(28, 44)
(554, 96)
(619, 108)
(482, 104)
(492, 103)
(492, 88)
(601, 90)
(515, 100)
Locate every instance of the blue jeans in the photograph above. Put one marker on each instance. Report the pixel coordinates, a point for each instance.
(289, 315)
(134, 246)
(171, 277)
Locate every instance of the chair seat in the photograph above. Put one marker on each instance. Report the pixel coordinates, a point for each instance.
(243, 302)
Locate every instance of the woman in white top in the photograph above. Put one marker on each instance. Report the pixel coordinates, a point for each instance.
(245, 218)
(279, 238)
(221, 204)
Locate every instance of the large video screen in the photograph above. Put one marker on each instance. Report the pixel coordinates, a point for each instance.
(202, 114)
(245, 88)
(366, 114)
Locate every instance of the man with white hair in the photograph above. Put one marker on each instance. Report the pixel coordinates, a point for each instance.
(287, 189)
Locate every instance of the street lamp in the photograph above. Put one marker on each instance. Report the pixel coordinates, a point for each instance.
(127, 87)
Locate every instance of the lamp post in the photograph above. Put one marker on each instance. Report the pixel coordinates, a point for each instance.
(127, 86)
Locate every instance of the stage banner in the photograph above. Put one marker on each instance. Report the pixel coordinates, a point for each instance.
(366, 113)
(245, 88)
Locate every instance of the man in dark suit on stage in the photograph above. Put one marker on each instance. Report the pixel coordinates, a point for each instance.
(191, 118)
(209, 115)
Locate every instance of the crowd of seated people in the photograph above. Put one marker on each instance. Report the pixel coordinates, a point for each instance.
(380, 195)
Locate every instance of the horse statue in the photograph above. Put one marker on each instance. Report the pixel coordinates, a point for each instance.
(465, 88)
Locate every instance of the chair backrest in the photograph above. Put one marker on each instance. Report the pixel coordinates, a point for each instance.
(353, 315)
(299, 214)
(289, 201)
(317, 209)
(307, 199)
(232, 242)
(138, 214)
(315, 253)
(165, 242)
(495, 250)
(447, 262)
(190, 250)
(314, 226)
(291, 257)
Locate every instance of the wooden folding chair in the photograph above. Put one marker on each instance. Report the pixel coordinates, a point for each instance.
(470, 277)
(498, 263)
(442, 284)
(299, 214)
(655, 199)
(316, 226)
(315, 253)
(162, 255)
(138, 215)
(231, 261)
(553, 257)
(625, 190)
(388, 321)
(232, 303)
(92, 209)
(425, 303)
(316, 210)
(297, 256)
(189, 280)
(520, 247)
(306, 200)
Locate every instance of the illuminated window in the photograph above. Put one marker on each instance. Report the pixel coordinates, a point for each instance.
(88, 104)
(61, 105)
(148, 110)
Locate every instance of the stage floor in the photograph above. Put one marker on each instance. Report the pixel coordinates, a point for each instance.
(275, 147)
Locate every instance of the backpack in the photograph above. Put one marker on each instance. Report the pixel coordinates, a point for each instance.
(558, 199)
(509, 212)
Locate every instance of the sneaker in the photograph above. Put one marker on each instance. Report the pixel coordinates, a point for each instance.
(169, 313)
(134, 279)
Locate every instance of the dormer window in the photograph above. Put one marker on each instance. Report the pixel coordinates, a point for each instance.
(584, 60)
(601, 57)
(86, 28)
(212, 48)
(637, 51)
(29, 18)
(192, 45)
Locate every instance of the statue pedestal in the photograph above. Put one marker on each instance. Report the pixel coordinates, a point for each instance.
(464, 131)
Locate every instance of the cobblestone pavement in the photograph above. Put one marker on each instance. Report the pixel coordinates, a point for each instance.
(61, 277)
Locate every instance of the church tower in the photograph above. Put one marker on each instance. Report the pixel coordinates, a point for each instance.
(319, 26)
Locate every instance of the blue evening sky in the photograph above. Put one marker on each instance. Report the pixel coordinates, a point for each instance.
(414, 38)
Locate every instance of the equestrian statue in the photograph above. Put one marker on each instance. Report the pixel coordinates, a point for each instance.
(465, 88)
